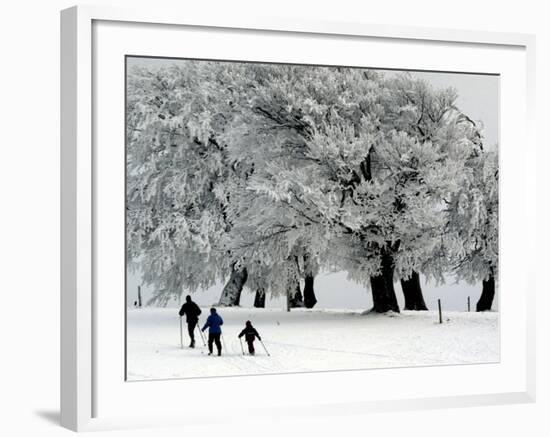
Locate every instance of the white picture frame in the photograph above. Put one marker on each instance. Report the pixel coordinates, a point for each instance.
(84, 386)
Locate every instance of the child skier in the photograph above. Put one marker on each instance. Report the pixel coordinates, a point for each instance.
(249, 335)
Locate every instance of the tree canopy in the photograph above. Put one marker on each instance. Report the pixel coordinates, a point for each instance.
(288, 170)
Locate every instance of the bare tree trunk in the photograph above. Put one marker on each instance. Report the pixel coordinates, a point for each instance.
(297, 301)
(383, 293)
(310, 268)
(259, 299)
(485, 302)
(412, 291)
(231, 294)
(309, 293)
(287, 301)
(295, 298)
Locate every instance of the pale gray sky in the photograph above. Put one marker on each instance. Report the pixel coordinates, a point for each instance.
(478, 97)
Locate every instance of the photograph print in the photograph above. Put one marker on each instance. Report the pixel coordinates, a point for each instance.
(286, 218)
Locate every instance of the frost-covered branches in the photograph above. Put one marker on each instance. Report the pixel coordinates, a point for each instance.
(176, 171)
(473, 220)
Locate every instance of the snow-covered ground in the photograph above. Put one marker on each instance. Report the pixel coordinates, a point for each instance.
(309, 340)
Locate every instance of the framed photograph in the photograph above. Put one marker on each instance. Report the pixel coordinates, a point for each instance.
(323, 216)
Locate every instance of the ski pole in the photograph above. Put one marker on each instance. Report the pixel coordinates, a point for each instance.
(181, 334)
(200, 333)
(265, 349)
(203, 336)
(241, 342)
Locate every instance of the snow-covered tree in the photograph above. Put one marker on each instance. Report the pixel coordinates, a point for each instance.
(175, 168)
(337, 160)
(473, 222)
(432, 118)
(268, 132)
(181, 180)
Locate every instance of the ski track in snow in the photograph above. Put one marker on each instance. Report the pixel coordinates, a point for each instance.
(309, 340)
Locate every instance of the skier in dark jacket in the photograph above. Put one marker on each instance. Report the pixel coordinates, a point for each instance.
(192, 313)
(214, 323)
(250, 335)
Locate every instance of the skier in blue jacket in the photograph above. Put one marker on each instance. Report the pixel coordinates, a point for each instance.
(214, 323)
